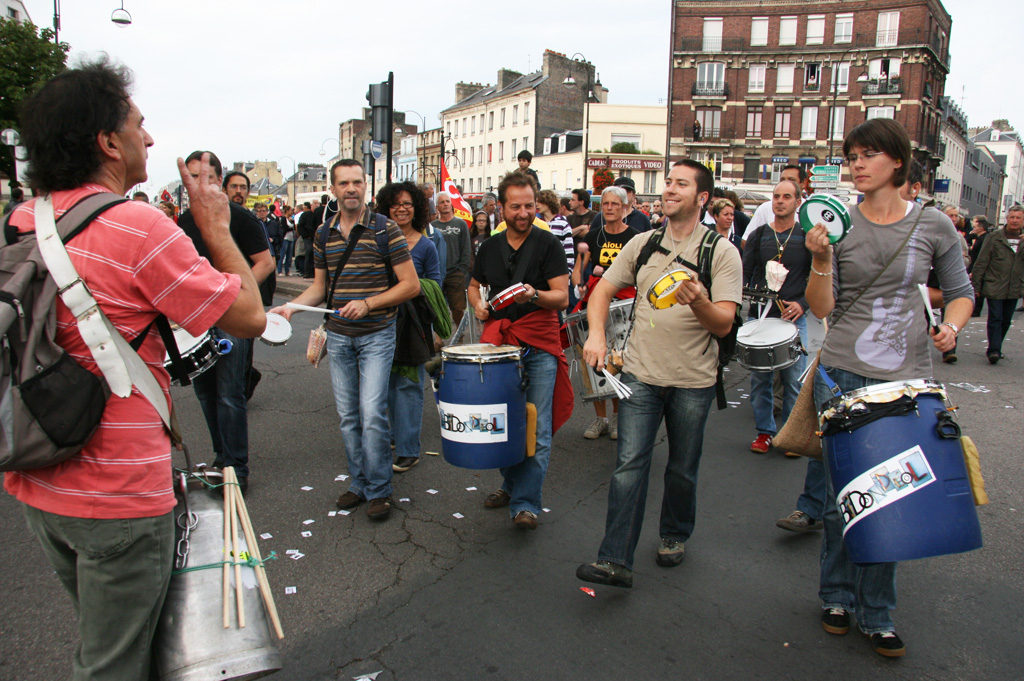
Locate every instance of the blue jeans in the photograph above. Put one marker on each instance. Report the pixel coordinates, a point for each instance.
(812, 500)
(761, 398)
(405, 410)
(221, 393)
(284, 262)
(869, 591)
(360, 367)
(1000, 316)
(685, 411)
(523, 482)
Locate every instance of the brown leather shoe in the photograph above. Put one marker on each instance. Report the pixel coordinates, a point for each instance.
(525, 520)
(499, 498)
(349, 500)
(379, 509)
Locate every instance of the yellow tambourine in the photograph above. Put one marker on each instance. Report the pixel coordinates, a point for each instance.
(661, 295)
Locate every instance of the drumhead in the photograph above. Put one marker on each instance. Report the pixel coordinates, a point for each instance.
(480, 352)
(826, 210)
(186, 342)
(278, 330)
(889, 392)
(766, 332)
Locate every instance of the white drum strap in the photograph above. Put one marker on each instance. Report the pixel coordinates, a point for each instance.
(120, 364)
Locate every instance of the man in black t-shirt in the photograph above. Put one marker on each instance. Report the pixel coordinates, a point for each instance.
(221, 388)
(524, 253)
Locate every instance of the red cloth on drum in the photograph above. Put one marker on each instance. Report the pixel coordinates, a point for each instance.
(535, 330)
(623, 294)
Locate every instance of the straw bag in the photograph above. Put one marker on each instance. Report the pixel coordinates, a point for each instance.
(800, 432)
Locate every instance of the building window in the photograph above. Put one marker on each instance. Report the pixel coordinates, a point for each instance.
(449, 126)
(754, 121)
(787, 31)
(778, 165)
(481, 156)
(840, 76)
(12, 13)
(759, 31)
(481, 123)
(782, 118)
(838, 123)
(471, 182)
(526, 142)
(554, 180)
(881, 112)
(756, 82)
(488, 183)
(710, 78)
(515, 115)
(812, 77)
(884, 69)
(472, 129)
(844, 28)
(710, 123)
(547, 146)
(490, 120)
(751, 169)
(561, 144)
(514, 149)
(502, 123)
(472, 153)
(888, 29)
(464, 128)
(490, 153)
(526, 115)
(501, 151)
(784, 78)
(713, 161)
(712, 35)
(809, 124)
(629, 138)
(816, 30)
(651, 182)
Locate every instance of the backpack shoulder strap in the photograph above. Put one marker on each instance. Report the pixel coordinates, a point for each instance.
(80, 215)
(652, 245)
(705, 258)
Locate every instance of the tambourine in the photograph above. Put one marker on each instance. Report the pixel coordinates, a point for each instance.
(661, 294)
(506, 297)
(278, 330)
(827, 210)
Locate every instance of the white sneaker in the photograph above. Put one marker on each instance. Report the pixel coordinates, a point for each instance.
(596, 429)
(613, 427)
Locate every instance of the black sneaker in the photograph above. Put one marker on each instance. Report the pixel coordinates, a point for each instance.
(603, 572)
(379, 509)
(835, 621)
(887, 643)
(349, 500)
(949, 357)
(404, 463)
(994, 357)
(670, 553)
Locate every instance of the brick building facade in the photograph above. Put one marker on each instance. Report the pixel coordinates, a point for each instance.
(763, 78)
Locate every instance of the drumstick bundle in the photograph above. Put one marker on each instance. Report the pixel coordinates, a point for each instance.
(236, 513)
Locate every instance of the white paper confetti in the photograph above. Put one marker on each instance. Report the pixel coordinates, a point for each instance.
(341, 477)
(344, 512)
(296, 556)
(404, 500)
(471, 489)
(458, 515)
(307, 534)
(331, 514)
(308, 522)
(546, 510)
(291, 551)
(306, 488)
(266, 535)
(289, 590)
(431, 491)
(366, 677)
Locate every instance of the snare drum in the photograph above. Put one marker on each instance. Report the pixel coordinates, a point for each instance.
(662, 293)
(198, 354)
(278, 330)
(482, 405)
(896, 463)
(827, 210)
(768, 344)
(590, 384)
(506, 297)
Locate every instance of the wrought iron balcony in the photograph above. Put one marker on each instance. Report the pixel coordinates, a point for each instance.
(710, 88)
(883, 86)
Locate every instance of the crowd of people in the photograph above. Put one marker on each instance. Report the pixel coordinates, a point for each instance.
(395, 279)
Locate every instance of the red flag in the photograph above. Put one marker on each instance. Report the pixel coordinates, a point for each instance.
(459, 205)
(165, 196)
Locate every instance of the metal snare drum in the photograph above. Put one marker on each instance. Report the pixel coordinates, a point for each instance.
(198, 354)
(590, 384)
(768, 344)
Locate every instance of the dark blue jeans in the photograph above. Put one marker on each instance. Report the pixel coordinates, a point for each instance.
(685, 411)
(221, 393)
(1000, 316)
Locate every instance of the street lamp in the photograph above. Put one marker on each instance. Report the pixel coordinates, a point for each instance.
(571, 82)
(121, 16)
(862, 78)
(422, 119)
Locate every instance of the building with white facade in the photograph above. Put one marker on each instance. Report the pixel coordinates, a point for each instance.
(15, 10)
(1005, 144)
(406, 160)
(953, 150)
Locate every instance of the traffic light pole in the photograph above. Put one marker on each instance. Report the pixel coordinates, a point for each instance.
(391, 121)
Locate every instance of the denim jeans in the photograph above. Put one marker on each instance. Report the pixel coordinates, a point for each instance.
(761, 398)
(1000, 316)
(685, 411)
(116, 572)
(284, 262)
(360, 367)
(869, 591)
(812, 500)
(405, 412)
(524, 481)
(221, 393)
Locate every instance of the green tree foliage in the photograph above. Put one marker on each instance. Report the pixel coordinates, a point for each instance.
(29, 58)
(624, 148)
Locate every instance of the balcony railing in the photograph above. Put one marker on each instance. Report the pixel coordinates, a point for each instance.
(711, 136)
(710, 88)
(890, 86)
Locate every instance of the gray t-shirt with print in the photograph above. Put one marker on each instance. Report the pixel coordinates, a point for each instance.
(885, 334)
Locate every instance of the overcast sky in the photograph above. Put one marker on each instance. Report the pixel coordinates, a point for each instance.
(272, 80)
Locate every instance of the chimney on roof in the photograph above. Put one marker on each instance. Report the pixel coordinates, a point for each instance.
(1002, 125)
(463, 90)
(506, 77)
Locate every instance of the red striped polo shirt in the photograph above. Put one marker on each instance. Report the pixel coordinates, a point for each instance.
(137, 263)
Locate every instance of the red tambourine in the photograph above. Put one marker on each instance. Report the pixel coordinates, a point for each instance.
(506, 297)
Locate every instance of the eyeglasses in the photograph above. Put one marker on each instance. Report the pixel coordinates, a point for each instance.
(866, 155)
(404, 204)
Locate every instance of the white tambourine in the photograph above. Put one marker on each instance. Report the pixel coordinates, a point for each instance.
(278, 330)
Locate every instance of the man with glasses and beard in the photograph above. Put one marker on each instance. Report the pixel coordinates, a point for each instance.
(671, 365)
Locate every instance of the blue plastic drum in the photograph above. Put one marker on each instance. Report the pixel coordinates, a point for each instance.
(897, 467)
(482, 404)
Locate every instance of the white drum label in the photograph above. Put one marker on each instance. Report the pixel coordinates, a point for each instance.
(474, 423)
(887, 483)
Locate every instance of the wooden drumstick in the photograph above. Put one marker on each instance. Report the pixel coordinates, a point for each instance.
(227, 552)
(233, 479)
(261, 573)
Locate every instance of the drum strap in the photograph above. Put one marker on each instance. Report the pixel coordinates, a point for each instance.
(353, 238)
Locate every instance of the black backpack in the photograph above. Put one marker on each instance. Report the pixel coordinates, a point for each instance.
(705, 256)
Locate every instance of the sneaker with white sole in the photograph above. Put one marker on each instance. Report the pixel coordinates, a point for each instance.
(596, 429)
(798, 521)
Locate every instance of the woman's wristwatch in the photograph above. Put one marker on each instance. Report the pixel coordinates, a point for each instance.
(956, 331)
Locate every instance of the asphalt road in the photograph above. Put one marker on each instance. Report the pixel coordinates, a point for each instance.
(426, 595)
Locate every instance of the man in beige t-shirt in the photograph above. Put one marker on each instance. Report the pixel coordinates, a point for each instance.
(671, 364)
